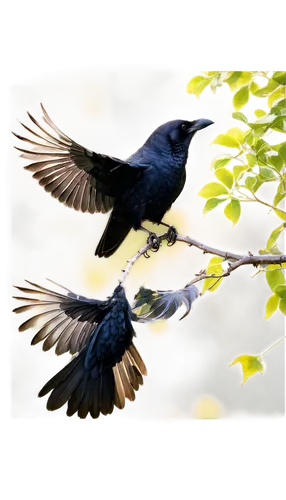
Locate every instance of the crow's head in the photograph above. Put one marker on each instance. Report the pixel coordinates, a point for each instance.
(181, 130)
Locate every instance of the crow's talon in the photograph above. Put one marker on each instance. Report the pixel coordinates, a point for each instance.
(154, 240)
(172, 236)
(146, 255)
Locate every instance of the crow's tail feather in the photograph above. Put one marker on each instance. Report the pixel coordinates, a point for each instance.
(95, 390)
(114, 234)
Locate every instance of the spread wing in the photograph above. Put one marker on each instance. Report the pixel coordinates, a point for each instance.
(152, 305)
(76, 176)
(66, 320)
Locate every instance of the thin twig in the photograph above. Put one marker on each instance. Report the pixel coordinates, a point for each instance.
(235, 260)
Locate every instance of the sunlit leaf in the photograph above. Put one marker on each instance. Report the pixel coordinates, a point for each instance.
(238, 170)
(197, 84)
(275, 278)
(237, 115)
(280, 92)
(264, 121)
(252, 183)
(240, 98)
(280, 147)
(250, 365)
(280, 77)
(212, 203)
(276, 161)
(281, 193)
(220, 161)
(244, 79)
(236, 133)
(232, 211)
(212, 189)
(279, 108)
(233, 80)
(280, 214)
(214, 267)
(268, 89)
(259, 113)
(282, 305)
(210, 73)
(275, 235)
(280, 290)
(267, 173)
(271, 306)
(251, 159)
(226, 140)
(254, 87)
(225, 176)
(233, 138)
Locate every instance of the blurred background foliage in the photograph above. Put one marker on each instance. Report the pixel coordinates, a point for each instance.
(113, 112)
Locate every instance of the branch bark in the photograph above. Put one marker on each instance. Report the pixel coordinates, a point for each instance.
(235, 260)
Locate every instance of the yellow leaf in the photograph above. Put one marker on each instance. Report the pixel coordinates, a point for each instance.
(271, 306)
(197, 84)
(280, 92)
(250, 365)
(214, 267)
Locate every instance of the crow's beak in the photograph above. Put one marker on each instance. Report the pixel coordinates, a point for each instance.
(199, 124)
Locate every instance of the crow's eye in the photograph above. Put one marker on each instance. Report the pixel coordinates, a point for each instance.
(184, 127)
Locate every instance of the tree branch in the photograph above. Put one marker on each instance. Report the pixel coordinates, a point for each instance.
(235, 260)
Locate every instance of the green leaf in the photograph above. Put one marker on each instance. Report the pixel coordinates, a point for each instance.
(268, 89)
(233, 80)
(280, 92)
(275, 235)
(233, 138)
(238, 170)
(225, 176)
(232, 211)
(267, 173)
(214, 267)
(197, 84)
(282, 305)
(264, 121)
(280, 290)
(259, 113)
(280, 77)
(244, 79)
(271, 306)
(210, 73)
(251, 159)
(241, 98)
(280, 214)
(262, 146)
(225, 141)
(220, 161)
(279, 124)
(280, 147)
(212, 189)
(281, 192)
(250, 365)
(276, 161)
(275, 278)
(212, 203)
(254, 87)
(279, 108)
(237, 115)
(282, 152)
(252, 183)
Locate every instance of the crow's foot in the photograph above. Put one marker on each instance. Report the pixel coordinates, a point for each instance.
(155, 242)
(172, 236)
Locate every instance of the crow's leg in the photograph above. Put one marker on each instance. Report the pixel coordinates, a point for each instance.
(153, 238)
(171, 234)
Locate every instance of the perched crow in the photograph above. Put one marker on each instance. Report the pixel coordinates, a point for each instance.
(106, 367)
(143, 187)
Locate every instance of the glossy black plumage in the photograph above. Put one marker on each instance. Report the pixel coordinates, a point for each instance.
(143, 187)
(106, 367)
